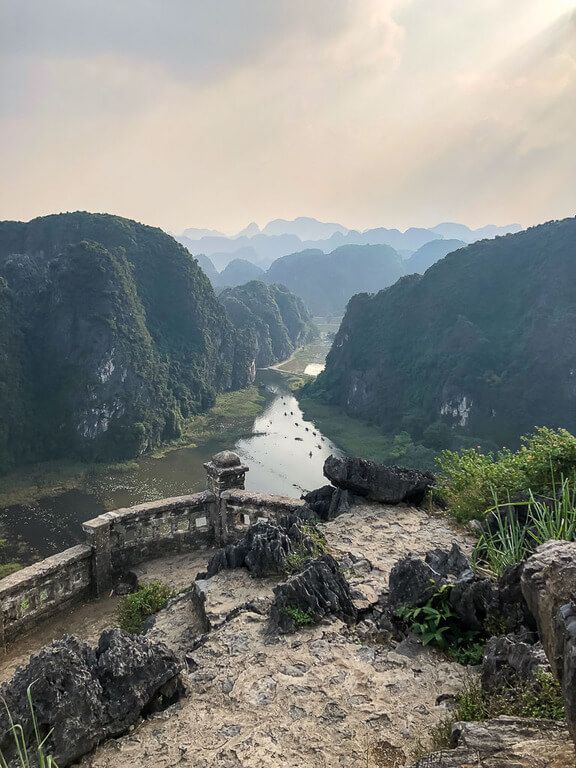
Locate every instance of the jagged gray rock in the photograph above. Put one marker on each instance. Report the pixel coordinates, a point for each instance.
(549, 586)
(264, 549)
(388, 484)
(317, 591)
(328, 502)
(413, 581)
(508, 660)
(85, 695)
(505, 742)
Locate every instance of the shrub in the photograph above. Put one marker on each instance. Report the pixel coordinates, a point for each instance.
(134, 609)
(469, 480)
(513, 541)
(436, 624)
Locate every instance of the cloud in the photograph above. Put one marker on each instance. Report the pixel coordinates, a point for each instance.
(186, 112)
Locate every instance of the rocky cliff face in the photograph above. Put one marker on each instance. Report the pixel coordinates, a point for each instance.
(272, 321)
(111, 335)
(482, 346)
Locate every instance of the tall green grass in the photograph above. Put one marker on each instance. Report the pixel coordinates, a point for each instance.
(512, 541)
(27, 755)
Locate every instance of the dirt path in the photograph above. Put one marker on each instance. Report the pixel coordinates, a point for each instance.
(322, 697)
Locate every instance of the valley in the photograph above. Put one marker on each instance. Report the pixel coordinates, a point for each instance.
(42, 507)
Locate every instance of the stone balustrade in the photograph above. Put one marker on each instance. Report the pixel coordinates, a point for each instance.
(119, 540)
(29, 595)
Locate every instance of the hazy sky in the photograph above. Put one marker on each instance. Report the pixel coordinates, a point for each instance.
(218, 112)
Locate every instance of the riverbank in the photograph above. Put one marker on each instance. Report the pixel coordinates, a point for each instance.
(356, 438)
(232, 415)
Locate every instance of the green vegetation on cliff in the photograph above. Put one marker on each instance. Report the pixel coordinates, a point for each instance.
(272, 321)
(111, 338)
(326, 281)
(475, 353)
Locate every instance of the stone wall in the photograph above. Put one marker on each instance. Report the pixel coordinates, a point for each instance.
(44, 588)
(125, 537)
(119, 540)
(242, 509)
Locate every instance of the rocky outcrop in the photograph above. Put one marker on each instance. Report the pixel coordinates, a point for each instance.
(549, 586)
(389, 485)
(505, 742)
(265, 548)
(320, 590)
(328, 502)
(508, 660)
(83, 695)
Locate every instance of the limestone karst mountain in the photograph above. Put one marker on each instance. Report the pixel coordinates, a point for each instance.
(111, 336)
(271, 320)
(481, 347)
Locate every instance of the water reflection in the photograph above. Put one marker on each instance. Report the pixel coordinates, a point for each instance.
(285, 454)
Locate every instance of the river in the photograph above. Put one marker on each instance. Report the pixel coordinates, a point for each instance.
(285, 454)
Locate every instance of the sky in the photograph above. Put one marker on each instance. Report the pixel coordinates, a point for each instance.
(215, 113)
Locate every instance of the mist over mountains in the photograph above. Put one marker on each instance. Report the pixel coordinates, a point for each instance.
(281, 237)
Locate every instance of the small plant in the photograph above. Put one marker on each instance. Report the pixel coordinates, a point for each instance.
(27, 755)
(319, 543)
(507, 545)
(436, 624)
(298, 558)
(300, 617)
(134, 609)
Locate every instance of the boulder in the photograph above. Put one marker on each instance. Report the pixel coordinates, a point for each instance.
(264, 549)
(412, 583)
(548, 583)
(84, 695)
(414, 580)
(328, 502)
(549, 586)
(505, 742)
(509, 661)
(389, 485)
(318, 591)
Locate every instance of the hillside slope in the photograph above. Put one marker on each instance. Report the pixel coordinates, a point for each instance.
(429, 254)
(326, 281)
(111, 336)
(482, 346)
(272, 321)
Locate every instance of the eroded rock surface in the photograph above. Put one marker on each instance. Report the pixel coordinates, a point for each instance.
(549, 586)
(265, 548)
(318, 591)
(505, 742)
(320, 697)
(387, 484)
(85, 695)
(508, 660)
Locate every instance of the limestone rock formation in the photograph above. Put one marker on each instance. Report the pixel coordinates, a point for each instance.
(413, 581)
(318, 591)
(84, 695)
(549, 586)
(390, 485)
(505, 742)
(328, 502)
(265, 548)
(508, 660)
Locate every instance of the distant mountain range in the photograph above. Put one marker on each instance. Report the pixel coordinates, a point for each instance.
(479, 350)
(281, 238)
